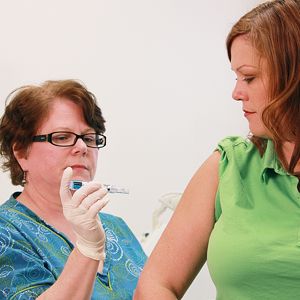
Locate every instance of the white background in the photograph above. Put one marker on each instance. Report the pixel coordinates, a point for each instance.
(162, 78)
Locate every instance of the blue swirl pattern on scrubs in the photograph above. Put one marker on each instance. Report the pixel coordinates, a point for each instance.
(33, 254)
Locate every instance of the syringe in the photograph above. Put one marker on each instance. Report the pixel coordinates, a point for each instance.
(77, 184)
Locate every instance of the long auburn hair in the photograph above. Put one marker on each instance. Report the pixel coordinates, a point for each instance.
(273, 28)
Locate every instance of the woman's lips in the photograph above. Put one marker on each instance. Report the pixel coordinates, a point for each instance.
(80, 172)
(248, 113)
(78, 167)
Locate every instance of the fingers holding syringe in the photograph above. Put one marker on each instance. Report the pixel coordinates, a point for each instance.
(64, 191)
(88, 194)
(96, 207)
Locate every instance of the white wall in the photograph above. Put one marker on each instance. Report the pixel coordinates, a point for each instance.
(160, 71)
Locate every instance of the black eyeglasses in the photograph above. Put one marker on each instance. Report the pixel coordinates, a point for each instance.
(67, 139)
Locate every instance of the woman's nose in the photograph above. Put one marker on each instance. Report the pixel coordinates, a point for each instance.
(238, 93)
(80, 146)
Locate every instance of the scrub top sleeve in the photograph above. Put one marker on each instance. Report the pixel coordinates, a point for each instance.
(23, 273)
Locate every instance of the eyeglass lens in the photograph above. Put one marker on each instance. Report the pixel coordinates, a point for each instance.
(69, 139)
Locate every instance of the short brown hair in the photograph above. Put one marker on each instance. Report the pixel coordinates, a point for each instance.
(273, 28)
(26, 108)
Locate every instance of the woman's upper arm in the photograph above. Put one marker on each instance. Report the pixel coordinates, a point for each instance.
(181, 250)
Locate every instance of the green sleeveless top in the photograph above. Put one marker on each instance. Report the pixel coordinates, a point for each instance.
(254, 248)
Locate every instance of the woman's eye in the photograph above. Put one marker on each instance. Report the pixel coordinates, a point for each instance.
(61, 137)
(248, 79)
(89, 139)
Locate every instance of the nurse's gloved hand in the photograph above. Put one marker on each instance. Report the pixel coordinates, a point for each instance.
(81, 210)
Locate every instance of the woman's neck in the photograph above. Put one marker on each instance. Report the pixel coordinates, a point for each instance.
(44, 206)
(287, 150)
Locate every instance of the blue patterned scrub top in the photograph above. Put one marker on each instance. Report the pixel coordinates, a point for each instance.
(33, 254)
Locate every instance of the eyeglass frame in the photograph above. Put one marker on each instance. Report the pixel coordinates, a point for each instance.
(48, 138)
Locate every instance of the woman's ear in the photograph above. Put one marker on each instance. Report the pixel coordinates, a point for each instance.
(21, 157)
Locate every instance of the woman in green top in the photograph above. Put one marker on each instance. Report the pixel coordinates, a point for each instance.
(241, 210)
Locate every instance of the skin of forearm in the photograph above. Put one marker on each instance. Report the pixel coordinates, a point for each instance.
(153, 292)
(76, 280)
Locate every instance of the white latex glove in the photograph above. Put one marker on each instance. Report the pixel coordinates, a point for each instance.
(81, 210)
